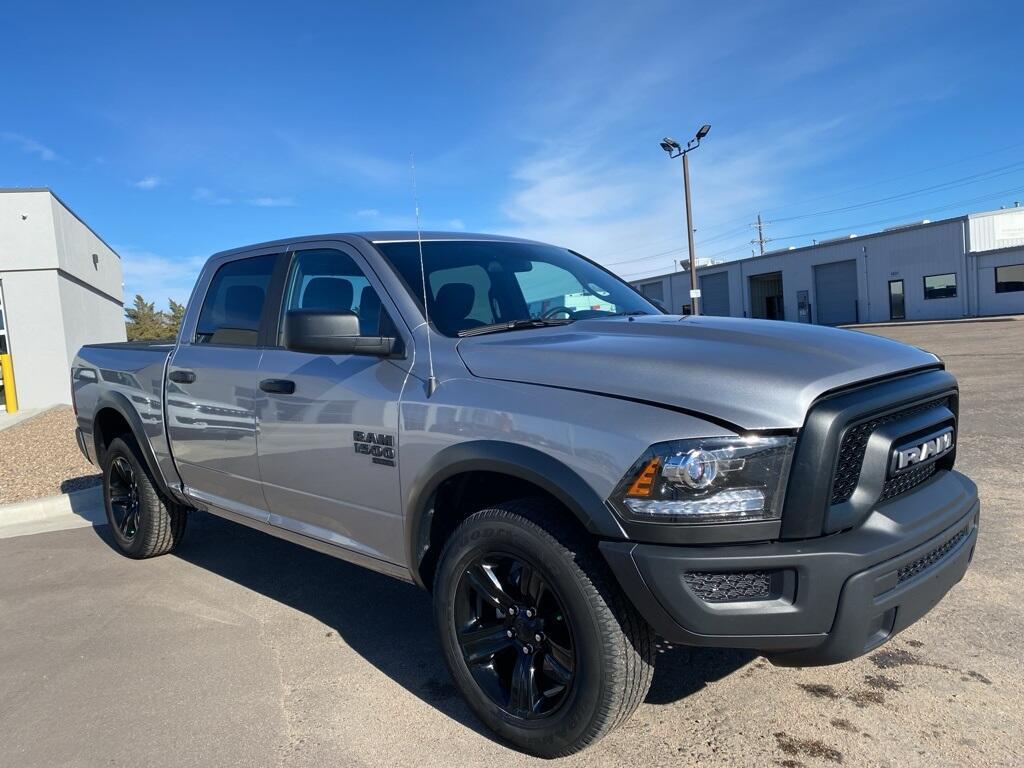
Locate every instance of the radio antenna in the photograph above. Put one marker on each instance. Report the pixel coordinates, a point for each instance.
(431, 380)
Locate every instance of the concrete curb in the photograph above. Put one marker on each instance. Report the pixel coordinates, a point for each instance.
(905, 323)
(80, 509)
(8, 420)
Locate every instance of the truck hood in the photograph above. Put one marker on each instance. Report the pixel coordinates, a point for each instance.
(751, 374)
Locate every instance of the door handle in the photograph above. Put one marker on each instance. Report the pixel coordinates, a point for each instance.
(278, 386)
(182, 377)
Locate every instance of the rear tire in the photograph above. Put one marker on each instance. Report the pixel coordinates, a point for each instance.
(604, 650)
(143, 522)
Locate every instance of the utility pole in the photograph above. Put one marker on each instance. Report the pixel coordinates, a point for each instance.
(674, 150)
(694, 291)
(761, 239)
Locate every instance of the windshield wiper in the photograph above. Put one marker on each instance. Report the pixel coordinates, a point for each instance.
(515, 325)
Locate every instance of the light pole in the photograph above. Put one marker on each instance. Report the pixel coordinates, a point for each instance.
(674, 150)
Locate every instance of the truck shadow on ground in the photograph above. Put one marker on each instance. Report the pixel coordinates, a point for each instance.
(388, 622)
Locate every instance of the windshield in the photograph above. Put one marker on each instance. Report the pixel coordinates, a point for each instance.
(473, 283)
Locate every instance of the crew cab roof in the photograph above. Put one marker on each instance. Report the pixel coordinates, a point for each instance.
(376, 237)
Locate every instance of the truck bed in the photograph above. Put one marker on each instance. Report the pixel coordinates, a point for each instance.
(127, 377)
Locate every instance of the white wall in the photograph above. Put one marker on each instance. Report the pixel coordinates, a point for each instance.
(56, 298)
(36, 337)
(990, 302)
(26, 231)
(907, 254)
(89, 317)
(997, 229)
(76, 244)
(910, 254)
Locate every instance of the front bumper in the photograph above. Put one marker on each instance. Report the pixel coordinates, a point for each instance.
(831, 598)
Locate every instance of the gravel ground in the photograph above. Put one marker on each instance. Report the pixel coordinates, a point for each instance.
(39, 457)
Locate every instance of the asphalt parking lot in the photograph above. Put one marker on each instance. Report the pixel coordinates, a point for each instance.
(245, 650)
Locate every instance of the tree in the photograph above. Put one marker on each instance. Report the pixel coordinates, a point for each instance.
(176, 315)
(143, 322)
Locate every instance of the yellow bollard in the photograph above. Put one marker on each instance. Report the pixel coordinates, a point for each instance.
(10, 395)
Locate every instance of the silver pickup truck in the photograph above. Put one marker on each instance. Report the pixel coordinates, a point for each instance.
(568, 470)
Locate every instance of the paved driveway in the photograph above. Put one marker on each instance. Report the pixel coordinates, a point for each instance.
(245, 650)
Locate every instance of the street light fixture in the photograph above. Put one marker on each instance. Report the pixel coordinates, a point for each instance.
(674, 150)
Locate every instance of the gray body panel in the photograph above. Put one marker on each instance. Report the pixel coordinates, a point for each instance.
(127, 377)
(755, 374)
(313, 480)
(211, 426)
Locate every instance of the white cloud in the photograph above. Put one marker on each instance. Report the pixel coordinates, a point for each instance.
(272, 202)
(368, 213)
(629, 214)
(158, 277)
(148, 182)
(209, 197)
(29, 145)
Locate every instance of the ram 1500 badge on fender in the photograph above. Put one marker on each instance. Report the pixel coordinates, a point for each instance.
(567, 470)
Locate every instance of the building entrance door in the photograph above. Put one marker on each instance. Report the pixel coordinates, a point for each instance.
(897, 303)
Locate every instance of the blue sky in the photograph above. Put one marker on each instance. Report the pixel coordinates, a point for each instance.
(177, 130)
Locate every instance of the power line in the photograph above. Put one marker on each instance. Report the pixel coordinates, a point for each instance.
(861, 225)
(988, 175)
(829, 195)
(1005, 170)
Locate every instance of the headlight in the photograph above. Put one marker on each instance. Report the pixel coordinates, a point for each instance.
(707, 480)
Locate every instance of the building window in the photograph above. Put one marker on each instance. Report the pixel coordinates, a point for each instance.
(940, 286)
(1010, 279)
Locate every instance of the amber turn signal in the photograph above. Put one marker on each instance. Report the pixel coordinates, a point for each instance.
(645, 480)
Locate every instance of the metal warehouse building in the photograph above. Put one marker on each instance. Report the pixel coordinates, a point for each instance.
(968, 266)
(60, 288)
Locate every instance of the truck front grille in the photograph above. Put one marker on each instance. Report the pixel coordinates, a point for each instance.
(726, 587)
(926, 561)
(854, 444)
(894, 486)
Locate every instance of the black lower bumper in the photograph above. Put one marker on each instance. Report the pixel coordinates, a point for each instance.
(817, 601)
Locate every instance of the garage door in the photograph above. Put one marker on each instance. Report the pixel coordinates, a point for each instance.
(835, 292)
(714, 294)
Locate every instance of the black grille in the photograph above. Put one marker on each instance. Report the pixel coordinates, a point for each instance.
(855, 442)
(894, 486)
(923, 563)
(723, 587)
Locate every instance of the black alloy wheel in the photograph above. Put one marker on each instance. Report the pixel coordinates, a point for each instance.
(538, 636)
(124, 497)
(515, 635)
(143, 522)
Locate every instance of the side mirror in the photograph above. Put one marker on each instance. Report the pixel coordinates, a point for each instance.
(331, 333)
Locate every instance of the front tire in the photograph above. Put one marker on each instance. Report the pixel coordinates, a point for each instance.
(143, 523)
(539, 638)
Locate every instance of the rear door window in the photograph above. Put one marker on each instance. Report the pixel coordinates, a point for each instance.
(234, 302)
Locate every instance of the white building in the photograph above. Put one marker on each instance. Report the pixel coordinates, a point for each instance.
(968, 266)
(60, 288)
